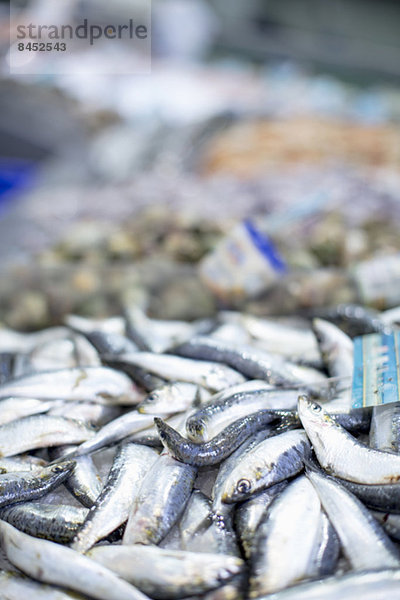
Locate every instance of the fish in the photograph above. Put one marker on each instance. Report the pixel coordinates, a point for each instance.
(112, 507)
(337, 352)
(273, 460)
(287, 540)
(385, 497)
(115, 431)
(22, 462)
(65, 353)
(168, 574)
(297, 344)
(364, 543)
(368, 585)
(53, 563)
(15, 586)
(354, 319)
(385, 427)
(251, 362)
(249, 514)
(163, 495)
(12, 409)
(41, 431)
(355, 461)
(198, 531)
(209, 420)
(29, 485)
(173, 397)
(58, 523)
(91, 384)
(84, 483)
(220, 446)
(210, 375)
(91, 413)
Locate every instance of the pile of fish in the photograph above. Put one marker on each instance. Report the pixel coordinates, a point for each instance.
(219, 458)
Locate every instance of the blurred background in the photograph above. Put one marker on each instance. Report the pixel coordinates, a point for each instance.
(276, 120)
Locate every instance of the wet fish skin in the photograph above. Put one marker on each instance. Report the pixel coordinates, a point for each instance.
(390, 523)
(55, 564)
(221, 510)
(212, 418)
(29, 485)
(58, 523)
(110, 343)
(383, 497)
(369, 585)
(22, 462)
(12, 409)
(385, 427)
(115, 431)
(145, 380)
(111, 508)
(297, 344)
(168, 574)
(249, 514)
(210, 375)
(71, 351)
(198, 531)
(41, 431)
(91, 413)
(251, 362)
(354, 319)
(162, 497)
(363, 541)
(93, 384)
(342, 455)
(222, 445)
(271, 461)
(84, 483)
(173, 397)
(15, 586)
(328, 548)
(336, 348)
(287, 540)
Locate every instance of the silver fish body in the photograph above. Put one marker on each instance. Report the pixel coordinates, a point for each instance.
(370, 585)
(168, 574)
(173, 398)
(287, 540)
(210, 420)
(114, 431)
(92, 384)
(41, 431)
(55, 564)
(15, 586)
(251, 362)
(248, 515)
(364, 542)
(84, 482)
(273, 460)
(210, 375)
(162, 497)
(385, 427)
(58, 523)
(341, 454)
(29, 485)
(111, 508)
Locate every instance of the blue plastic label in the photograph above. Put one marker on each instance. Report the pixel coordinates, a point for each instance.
(376, 374)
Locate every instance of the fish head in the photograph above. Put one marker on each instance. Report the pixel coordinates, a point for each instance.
(237, 489)
(312, 414)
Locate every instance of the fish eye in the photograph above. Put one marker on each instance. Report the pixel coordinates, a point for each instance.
(243, 486)
(316, 408)
(57, 469)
